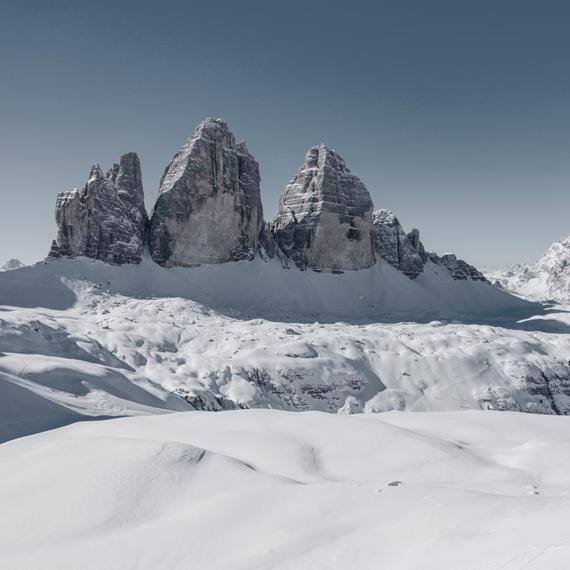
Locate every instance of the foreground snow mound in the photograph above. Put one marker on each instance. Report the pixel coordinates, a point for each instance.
(262, 489)
(546, 280)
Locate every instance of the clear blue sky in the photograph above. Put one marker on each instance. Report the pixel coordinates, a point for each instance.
(455, 114)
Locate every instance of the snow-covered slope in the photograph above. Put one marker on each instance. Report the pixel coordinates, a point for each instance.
(260, 489)
(546, 280)
(265, 289)
(84, 339)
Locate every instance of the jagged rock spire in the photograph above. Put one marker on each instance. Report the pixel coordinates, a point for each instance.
(325, 214)
(95, 173)
(208, 208)
(106, 219)
(403, 251)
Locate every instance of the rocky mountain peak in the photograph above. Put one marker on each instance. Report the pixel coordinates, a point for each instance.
(106, 219)
(403, 251)
(112, 172)
(458, 269)
(208, 208)
(321, 156)
(546, 280)
(95, 174)
(414, 237)
(325, 214)
(209, 211)
(556, 259)
(11, 264)
(215, 128)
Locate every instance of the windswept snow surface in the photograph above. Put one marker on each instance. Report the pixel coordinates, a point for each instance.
(84, 340)
(263, 488)
(260, 489)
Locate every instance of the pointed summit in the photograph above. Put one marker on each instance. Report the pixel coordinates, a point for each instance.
(325, 214)
(95, 173)
(11, 264)
(403, 251)
(106, 219)
(208, 208)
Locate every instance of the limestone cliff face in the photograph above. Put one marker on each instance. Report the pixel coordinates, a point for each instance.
(208, 208)
(106, 219)
(460, 270)
(324, 218)
(403, 251)
(209, 211)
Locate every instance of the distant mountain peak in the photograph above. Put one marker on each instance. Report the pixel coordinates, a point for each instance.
(546, 280)
(11, 264)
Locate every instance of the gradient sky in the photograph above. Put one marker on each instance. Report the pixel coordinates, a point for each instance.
(455, 114)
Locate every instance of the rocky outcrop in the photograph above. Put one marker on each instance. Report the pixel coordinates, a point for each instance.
(106, 219)
(460, 270)
(208, 208)
(406, 252)
(209, 211)
(403, 251)
(324, 218)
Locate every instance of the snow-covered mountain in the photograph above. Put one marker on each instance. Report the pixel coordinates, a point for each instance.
(11, 264)
(333, 307)
(260, 489)
(546, 280)
(330, 307)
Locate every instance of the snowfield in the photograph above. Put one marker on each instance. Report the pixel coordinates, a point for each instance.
(158, 485)
(260, 489)
(83, 340)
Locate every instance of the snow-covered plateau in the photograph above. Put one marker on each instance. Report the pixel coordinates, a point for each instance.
(267, 489)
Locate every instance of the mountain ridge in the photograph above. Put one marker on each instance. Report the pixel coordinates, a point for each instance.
(209, 211)
(548, 279)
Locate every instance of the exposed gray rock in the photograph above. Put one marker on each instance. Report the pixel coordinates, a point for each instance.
(403, 251)
(208, 208)
(106, 219)
(460, 270)
(414, 237)
(325, 214)
(11, 264)
(406, 252)
(267, 246)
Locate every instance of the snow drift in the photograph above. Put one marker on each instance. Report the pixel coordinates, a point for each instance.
(261, 489)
